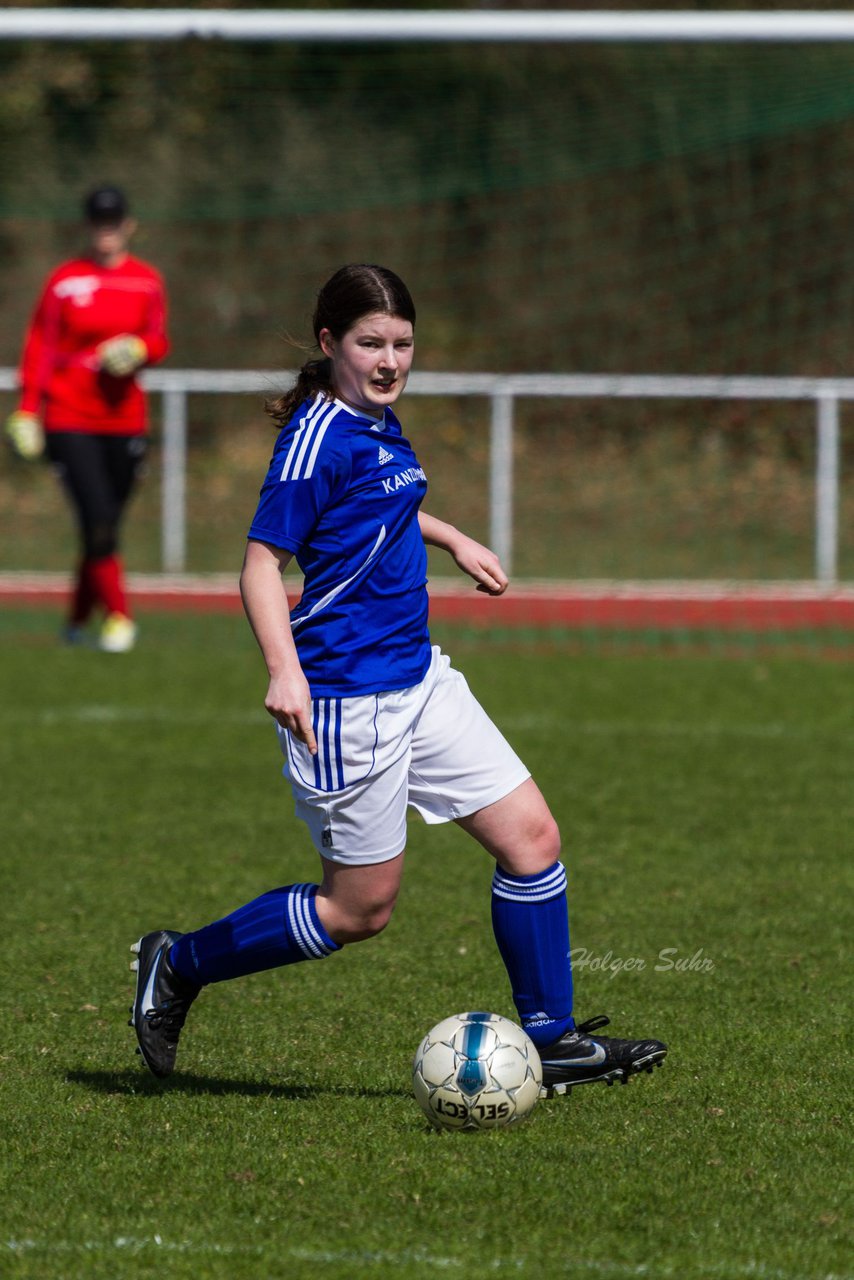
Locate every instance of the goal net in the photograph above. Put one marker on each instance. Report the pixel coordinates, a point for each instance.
(646, 208)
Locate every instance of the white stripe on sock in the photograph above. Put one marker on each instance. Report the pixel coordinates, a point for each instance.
(550, 884)
(296, 910)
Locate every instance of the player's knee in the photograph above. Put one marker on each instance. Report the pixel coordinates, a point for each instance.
(545, 842)
(534, 850)
(360, 928)
(366, 921)
(101, 541)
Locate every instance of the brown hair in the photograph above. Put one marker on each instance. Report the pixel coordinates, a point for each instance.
(359, 289)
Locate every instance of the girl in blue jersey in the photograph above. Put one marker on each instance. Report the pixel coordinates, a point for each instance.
(371, 717)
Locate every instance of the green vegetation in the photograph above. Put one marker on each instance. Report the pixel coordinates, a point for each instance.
(669, 208)
(644, 208)
(706, 807)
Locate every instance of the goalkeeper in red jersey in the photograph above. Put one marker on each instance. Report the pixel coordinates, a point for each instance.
(100, 319)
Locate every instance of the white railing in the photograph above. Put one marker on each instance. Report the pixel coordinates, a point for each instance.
(408, 25)
(502, 390)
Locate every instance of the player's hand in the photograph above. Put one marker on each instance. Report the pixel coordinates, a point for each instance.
(25, 435)
(121, 356)
(289, 703)
(481, 564)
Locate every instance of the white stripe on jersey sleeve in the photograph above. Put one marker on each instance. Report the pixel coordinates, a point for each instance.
(304, 433)
(297, 439)
(318, 438)
(295, 443)
(313, 436)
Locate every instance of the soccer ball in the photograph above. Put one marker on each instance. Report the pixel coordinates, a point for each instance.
(476, 1071)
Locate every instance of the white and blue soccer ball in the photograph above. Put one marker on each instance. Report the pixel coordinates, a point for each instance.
(476, 1071)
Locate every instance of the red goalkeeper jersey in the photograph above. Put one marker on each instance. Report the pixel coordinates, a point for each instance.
(83, 304)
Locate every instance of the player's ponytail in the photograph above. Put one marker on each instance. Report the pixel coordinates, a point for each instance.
(357, 290)
(314, 376)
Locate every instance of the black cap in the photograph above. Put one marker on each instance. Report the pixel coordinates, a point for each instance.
(105, 204)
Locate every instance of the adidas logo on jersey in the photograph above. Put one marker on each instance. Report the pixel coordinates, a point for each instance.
(385, 456)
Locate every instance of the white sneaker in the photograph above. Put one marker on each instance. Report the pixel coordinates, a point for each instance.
(118, 634)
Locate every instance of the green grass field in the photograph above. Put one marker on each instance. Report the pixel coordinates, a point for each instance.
(707, 811)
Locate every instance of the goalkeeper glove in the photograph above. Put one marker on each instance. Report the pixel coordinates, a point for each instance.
(123, 355)
(25, 435)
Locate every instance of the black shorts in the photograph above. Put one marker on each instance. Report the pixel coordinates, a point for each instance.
(99, 472)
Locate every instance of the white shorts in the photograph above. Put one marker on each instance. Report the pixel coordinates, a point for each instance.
(432, 747)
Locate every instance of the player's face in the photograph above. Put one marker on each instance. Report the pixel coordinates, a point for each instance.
(370, 364)
(109, 240)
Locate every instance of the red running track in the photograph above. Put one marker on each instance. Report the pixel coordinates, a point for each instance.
(629, 606)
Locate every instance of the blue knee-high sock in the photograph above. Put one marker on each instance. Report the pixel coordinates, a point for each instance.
(281, 927)
(529, 919)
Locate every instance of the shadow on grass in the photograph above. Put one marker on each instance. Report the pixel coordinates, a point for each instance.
(141, 1084)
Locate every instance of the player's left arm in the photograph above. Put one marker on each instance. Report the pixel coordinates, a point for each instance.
(23, 429)
(472, 557)
(125, 353)
(154, 334)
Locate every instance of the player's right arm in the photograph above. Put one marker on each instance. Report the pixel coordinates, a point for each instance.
(265, 600)
(39, 353)
(24, 430)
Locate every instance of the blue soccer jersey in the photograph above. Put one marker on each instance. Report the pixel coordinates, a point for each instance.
(342, 493)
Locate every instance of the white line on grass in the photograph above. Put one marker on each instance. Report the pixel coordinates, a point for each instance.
(338, 1257)
(112, 714)
(647, 729)
(106, 713)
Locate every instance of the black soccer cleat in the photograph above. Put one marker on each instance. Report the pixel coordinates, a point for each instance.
(161, 1002)
(581, 1058)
